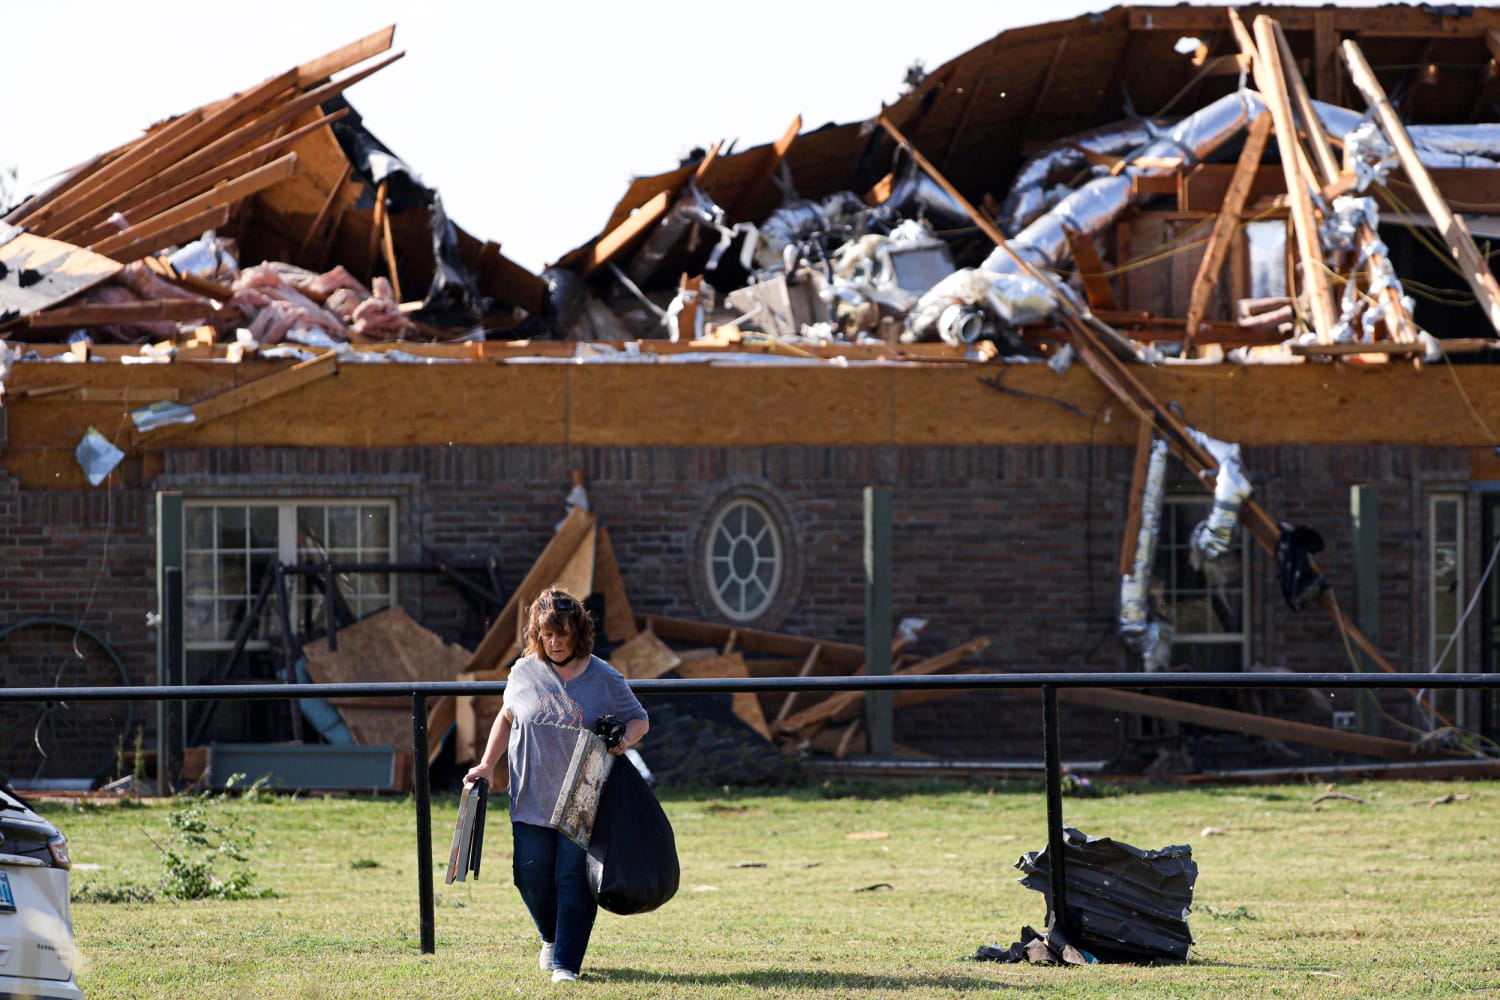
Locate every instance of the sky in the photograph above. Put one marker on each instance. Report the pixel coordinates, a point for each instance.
(530, 118)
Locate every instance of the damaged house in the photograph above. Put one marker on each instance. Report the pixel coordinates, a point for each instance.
(1168, 330)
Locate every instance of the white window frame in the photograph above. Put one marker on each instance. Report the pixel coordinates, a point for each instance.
(288, 551)
(714, 565)
(1165, 569)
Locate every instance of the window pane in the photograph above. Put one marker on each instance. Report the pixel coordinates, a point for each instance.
(375, 528)
(198, 527)
(343, 528)
(232, 534)
(263, 527)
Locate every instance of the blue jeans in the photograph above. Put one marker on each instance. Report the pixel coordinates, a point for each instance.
(552, 873)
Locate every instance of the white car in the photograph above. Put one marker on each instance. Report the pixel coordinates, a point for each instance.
(36, 924)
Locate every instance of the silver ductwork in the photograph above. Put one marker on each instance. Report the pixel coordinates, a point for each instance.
(1140, 629)
(1213, 538)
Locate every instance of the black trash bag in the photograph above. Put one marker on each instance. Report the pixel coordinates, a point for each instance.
(632, 857)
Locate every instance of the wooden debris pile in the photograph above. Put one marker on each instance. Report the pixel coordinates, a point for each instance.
(269, 217)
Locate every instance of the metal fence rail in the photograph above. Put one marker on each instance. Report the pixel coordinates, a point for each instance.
(1047, 682)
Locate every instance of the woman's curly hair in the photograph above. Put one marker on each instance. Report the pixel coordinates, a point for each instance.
(559, 611)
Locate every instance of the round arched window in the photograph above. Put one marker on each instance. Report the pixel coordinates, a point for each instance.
(743, 559)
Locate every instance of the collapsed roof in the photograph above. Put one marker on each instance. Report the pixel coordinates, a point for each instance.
(856, 232)
(158, 236)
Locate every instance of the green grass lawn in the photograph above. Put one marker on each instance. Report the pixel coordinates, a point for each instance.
(1393, 898)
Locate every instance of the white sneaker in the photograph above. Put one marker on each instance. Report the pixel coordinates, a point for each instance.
(564, 976)
(544, 959)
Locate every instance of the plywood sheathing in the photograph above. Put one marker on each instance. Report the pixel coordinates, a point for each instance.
(388, 406)
(387, 646)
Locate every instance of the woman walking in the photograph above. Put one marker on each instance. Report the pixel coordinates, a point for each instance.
(557, 688)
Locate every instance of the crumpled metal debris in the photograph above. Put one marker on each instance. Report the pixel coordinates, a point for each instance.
(1123, 904)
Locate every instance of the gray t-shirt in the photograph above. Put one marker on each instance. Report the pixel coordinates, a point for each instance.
(548, 715)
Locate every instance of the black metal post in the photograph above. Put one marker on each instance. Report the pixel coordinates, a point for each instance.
(1058, 918)
(169, 738)
(423, 793)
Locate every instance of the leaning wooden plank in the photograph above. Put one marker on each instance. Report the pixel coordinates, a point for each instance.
(842, 655)
(1091, 269)
(848, 704)
(246, 396)
(1397, 319)
(155, 197)
(46, 272)
(173, 310)
(1226, 226)
(1238, 722)
(619, 619)
(494, 650)
(612, 242)
(1475, 267)
(248, 134)
(161, 153)
(191, 228)
(1269, 77)
(225, 194)
(320, 69)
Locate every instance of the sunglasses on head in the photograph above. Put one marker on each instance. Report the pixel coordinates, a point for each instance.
(564, 604)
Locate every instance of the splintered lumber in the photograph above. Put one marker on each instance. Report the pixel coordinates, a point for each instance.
(1475, 268)
(848, 704)
(246, 396)
(320, 69)
(174, 310)
(619, 619)
(1156, 707)
(387, 646)
(1269, 77)
(841, 655)
(154, 239)
(1226, 225)
(612, 242)
(1096, 344)
(745, 704)
(225, 194)
(499, 646)
(154, 198)
(1397, 320)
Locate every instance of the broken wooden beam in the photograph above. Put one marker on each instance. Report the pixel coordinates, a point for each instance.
(1226, 227)
(1475, 268)
(1156, 707)
(104, 314)
(842, 655)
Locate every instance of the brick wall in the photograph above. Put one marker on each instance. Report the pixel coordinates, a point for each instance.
(1020, 544)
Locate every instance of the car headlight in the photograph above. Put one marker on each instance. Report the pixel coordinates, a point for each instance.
(59, 847)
